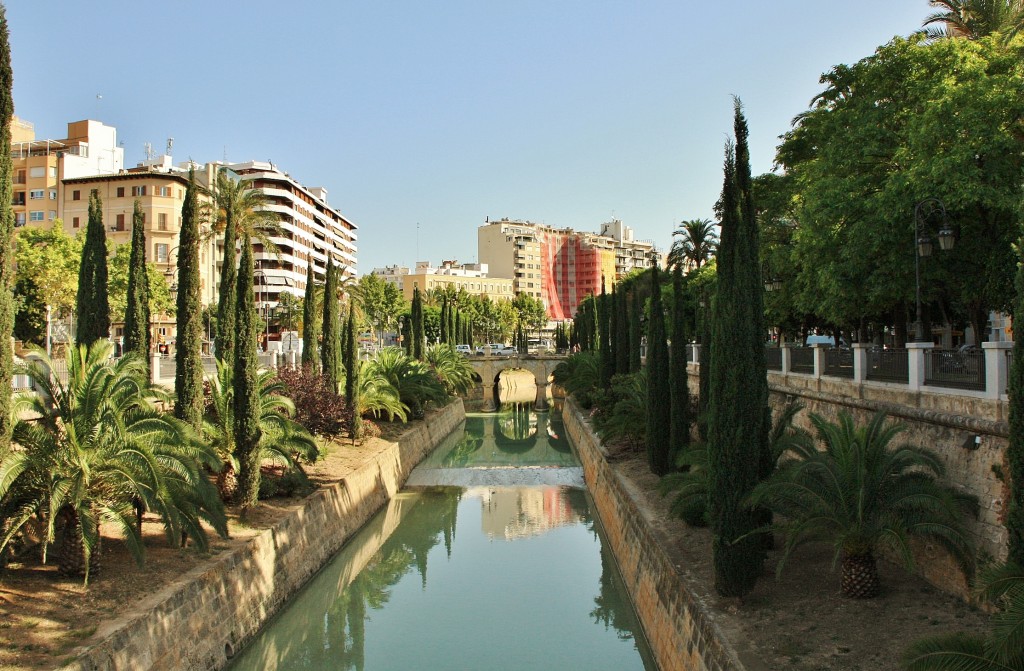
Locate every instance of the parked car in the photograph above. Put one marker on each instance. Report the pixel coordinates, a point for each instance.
(507, 350)
(489, 349)
(464, 350)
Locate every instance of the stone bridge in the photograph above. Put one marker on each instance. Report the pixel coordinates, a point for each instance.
(490, 368)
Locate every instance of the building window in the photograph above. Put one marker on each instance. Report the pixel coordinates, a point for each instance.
(75, 222)
(53, 194)
(36, 215)
(138, 191)
(120, 192)
(53, 171)
(165, 191)
(161, 221)
(35, 194)
(38, 171)
(76, 195)
(53, 214)
(19, 218)
(120, 223)
(161, 252)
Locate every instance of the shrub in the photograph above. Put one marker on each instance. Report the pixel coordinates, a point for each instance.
(317, 407)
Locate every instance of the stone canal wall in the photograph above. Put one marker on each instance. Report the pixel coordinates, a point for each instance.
(200, 621)
(681, 631)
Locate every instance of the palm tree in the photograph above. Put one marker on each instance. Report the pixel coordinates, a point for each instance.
(377, 396)
(99, 449)
(579, 375)
(454, 371)
(973, 19)
(1003, 650)
(282, 440)
(859, 494)
(696, 245)
(416, 383)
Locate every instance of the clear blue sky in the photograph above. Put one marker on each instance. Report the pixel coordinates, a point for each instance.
(567, 112)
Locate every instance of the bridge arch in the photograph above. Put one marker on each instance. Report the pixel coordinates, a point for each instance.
(490, 369)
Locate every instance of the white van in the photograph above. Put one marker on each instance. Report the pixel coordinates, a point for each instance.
(827, 340)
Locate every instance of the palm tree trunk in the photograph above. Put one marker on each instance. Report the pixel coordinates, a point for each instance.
(71, 548)
(227, 483)
(860, 576)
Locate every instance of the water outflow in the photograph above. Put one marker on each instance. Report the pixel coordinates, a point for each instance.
(527, 582)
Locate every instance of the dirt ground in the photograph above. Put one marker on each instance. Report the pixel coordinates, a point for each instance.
(798, 622)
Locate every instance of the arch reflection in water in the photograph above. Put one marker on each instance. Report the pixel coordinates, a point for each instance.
(524, 583)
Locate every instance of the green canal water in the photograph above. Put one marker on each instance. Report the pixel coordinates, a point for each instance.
(491, 558)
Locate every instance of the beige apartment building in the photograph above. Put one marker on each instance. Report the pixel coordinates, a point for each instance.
(561, 266)
(40, 166)
(471, 277)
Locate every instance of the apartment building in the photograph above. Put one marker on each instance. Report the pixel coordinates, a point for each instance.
(561, 266)
(40, 166)
(471, 277)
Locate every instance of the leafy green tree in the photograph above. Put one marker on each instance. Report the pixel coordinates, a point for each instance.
(6, 235)
(418, 334)
(679, 377)
(737, 387)
(381, 303)
(659, 400)
(119, 270)
(188, 377)
(330, 347)
(245, 389)
(137, 333)
(47, 262)
(98, 445)
(697, 243)
(860, 494)
(92, 307)
(310, 323)
(1015, 447)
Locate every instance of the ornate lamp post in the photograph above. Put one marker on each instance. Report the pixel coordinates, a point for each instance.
(923, 212)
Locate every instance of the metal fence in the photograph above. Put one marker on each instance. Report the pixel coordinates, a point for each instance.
(888, 365)
(839, 363)
(773, 357)
(956, 369)
(801, 360)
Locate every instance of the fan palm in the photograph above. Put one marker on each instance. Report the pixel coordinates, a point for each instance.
(860, 494)
(99, 448)
(454, 371)
(973, 19)
(282, 440)
(416, 384)
(579, 375)
(696, 245)
(377, 397)
(1002, 650)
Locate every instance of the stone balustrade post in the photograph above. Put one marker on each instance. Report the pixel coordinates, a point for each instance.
(292, 360)
(860, 362)
(696, 352)
(915, 363)
(154, 367)
(787, 358)
(997, 371)
(819, 359)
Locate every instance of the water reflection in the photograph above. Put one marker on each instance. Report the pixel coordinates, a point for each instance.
(490, 441)
(512, 513)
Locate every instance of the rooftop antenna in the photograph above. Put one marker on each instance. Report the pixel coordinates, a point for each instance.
(170, 146)
(148, 148)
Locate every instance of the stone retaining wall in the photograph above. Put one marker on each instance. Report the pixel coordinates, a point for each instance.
(681, 631)
(199, 622)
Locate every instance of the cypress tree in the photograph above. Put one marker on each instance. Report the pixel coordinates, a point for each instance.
(343, 339)
(310, 323)
(453, 325)
(136, 314)
(92, 306)
(678, 377)
(188, 377)
(6, 237)
(226, 309)
(704, 367)
(330, 355)
(738, 388)
(417, 324)
(659, 401)
(1015, 449)
(444, 319)
(635, 331)
(604, 334)
(352, 375)
(407, 335)
(245, 384)
(621, 332)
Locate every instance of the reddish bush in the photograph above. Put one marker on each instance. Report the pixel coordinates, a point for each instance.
(317, 406)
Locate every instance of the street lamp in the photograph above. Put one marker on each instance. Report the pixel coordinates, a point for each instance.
(923, 211)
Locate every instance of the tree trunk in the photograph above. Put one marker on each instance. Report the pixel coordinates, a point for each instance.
(227, 483)
(71, 548)
(860, 576)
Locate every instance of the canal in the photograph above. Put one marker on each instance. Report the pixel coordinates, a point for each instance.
(490, 558)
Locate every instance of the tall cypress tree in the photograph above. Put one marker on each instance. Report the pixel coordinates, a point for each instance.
(1015, 449)
(407, 335)
(310, 323)
(246, 382)
(330, 355)
(444, 319)
(226, 309)
(604, 334)
(659, 401)
(738, 388)
(417, 324)
(635, 330)
(621, 332)
(136, 314)
(188, 377)
(92, 306)
(352, 375)
(678, 376)
(6, 237)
